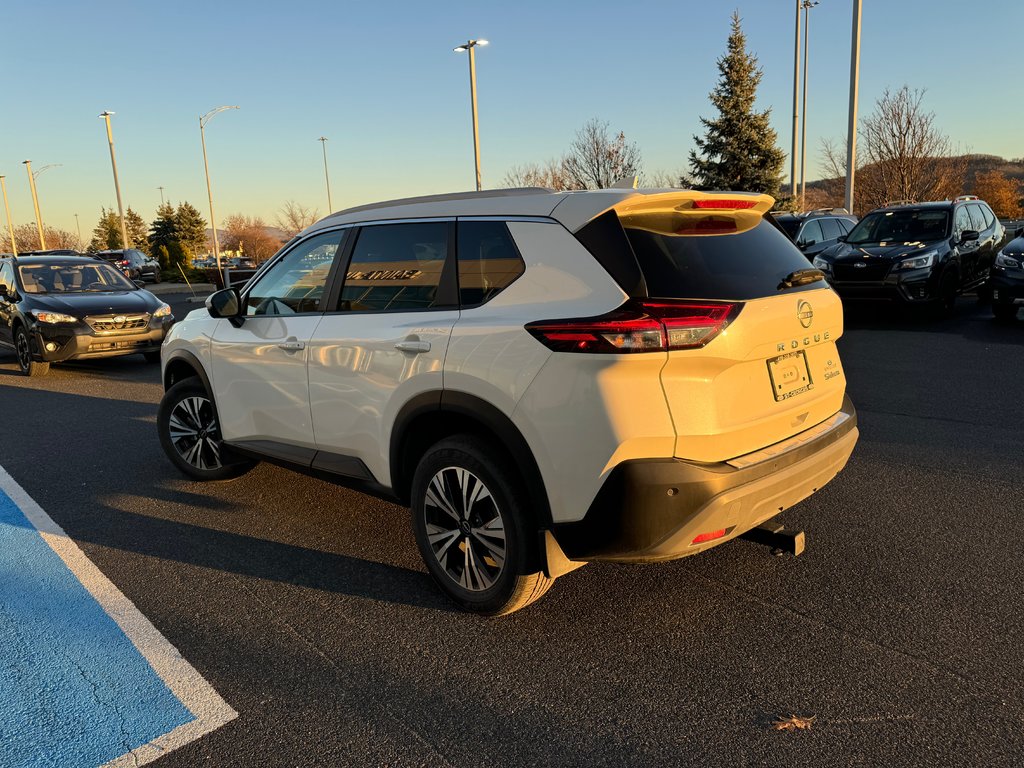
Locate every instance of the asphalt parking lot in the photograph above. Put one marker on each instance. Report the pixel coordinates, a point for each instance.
(306, 606)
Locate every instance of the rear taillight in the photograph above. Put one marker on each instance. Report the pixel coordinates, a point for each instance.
(639, 325)
(124, 263)
(721, 204)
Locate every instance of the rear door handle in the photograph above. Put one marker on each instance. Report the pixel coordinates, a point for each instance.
(292, 345)
(413, 346)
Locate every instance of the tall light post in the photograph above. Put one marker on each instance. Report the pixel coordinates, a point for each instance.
(470, 45)
(851, 128)
(117, 186)
(78, 228)
(161, 196)
(807, 5)
(209, 190)
(35, 202)
(323, 143)
(796, 103)
(7, 208)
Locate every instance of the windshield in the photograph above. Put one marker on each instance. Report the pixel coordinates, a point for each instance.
(72, 278)
(900, 227)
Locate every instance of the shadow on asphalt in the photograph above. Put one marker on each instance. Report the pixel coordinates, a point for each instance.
(970, 319)
(82, 502)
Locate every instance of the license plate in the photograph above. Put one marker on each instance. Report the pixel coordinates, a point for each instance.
(789, 375)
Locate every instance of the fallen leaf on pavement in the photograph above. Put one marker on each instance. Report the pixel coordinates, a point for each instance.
(794, 723)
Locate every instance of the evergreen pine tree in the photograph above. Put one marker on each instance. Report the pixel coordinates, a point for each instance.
(138, 234)
(191, 229)
(107, 233)
(738, 151)
(164, 229)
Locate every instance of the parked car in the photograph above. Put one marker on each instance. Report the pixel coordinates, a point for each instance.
(817, 230)
(1006, 281)
(135, 264)
(918, 254)
(546, 378)
(57, 308)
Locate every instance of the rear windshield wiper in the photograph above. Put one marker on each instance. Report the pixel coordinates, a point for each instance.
(801, 277)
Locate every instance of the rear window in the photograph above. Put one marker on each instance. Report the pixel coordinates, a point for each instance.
(742, 266)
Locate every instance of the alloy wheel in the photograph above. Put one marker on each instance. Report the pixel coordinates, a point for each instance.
(24, 353)
(465, 528)
(194, 433)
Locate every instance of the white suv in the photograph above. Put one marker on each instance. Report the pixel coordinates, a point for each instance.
(546, 378)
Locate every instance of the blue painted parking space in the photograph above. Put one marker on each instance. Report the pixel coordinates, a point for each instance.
(76, 690)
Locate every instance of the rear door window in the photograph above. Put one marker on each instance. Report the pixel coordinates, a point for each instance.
(830, 228)
(977, 218)
(811, 233)
(488, 261)
(396, 267)
(742, 266)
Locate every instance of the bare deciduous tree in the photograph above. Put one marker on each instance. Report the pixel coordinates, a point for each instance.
(249, 234)
(904, 156)
(666, 180)
(597, 159)
(26, 237)
(551, 175)
(293, 218)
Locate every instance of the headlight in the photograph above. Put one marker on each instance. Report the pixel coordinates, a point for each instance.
(919, 262)
(162, 311)
(54, 317)
(1003, 260)
(820, 263)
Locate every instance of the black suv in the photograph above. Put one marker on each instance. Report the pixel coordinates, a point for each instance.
(918, 254)
(815, 231)
(135, 264)
(56, 308)
(1006, 281)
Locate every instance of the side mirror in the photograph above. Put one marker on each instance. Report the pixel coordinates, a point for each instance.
(808, 243)
(841, 239)
(969, 235)
(225, 303)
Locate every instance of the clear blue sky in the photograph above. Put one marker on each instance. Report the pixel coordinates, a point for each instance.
(380, 80)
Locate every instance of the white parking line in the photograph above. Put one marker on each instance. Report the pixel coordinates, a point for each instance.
(187, 685)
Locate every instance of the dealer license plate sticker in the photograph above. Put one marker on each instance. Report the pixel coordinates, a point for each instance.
(789, 375)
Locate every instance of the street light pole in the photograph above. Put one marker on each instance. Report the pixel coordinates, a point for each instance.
(470, 45)
(851, 128)
(161, 196)
(117, 186)
(796, 104)
(78, 227)
(35, 202)
(209, 190)
(807, 5)
(323, 143)
(7, 208)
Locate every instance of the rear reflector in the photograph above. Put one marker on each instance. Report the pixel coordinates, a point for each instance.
(709, 536)
(639, 325)
(717, 204)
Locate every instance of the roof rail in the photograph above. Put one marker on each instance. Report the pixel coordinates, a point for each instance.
(894, 203)
(841, 211)
(965, 197)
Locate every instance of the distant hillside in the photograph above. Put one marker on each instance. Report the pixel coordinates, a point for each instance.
(1013, 169)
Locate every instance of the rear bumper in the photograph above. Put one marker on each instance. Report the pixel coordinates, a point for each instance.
(78, 343)
(651, 510)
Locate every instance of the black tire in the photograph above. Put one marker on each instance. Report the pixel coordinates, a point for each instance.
(496, 573)
(23, 348)
(1004, 313)
(157, 277)
(945, 304)
(152, 357)
(187, 417)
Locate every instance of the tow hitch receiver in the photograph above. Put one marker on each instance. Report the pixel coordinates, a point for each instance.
(777, 537)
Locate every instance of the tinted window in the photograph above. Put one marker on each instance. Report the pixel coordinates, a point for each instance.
(396, 267)
(790, 224)
(990, 217)
(72, 278)
(488, 261)
(295, 284)
(977, 218)
(746, 265)
(907, 226)
(961, 221)
(830, 228)
(7, 277)
(811, 233)
(845, 224)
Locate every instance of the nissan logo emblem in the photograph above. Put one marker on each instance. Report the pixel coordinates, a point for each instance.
(804, 314)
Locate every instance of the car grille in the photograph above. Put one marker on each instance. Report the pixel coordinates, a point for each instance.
(874, 271)
(118, 323)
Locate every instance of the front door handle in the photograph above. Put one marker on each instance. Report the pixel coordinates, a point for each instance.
(413, 346)
(292, 345)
